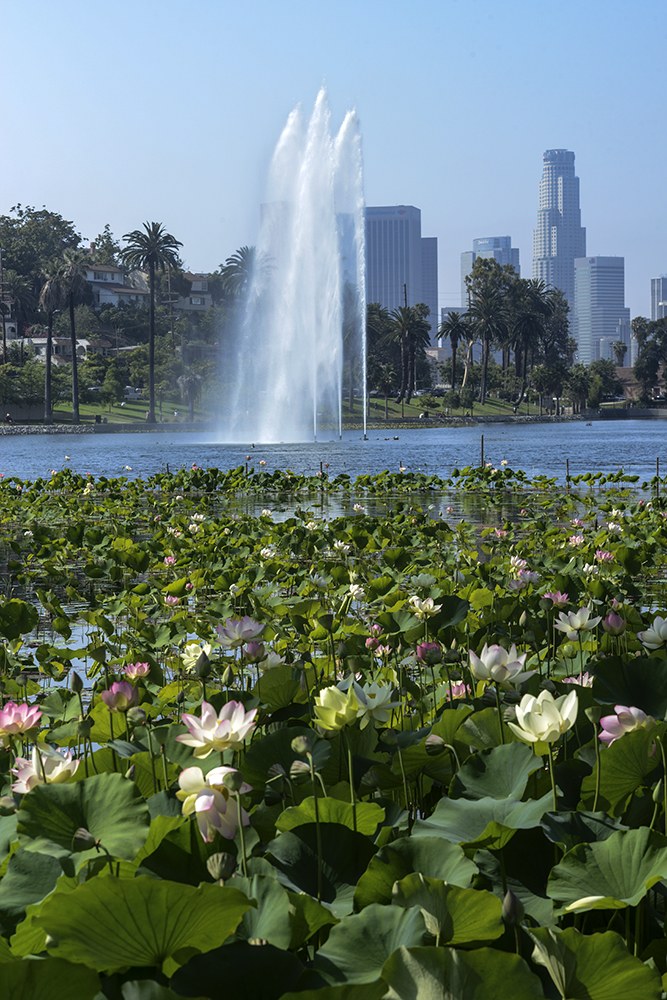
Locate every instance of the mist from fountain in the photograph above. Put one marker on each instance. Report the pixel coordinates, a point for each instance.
(307, 291)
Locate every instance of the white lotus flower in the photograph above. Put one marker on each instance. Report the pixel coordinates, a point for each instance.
(544, 719)
(374, 703)
(48, 766)
(656, 636)
(574, 623)
(210, 799)
(192, 651)
(498, 664)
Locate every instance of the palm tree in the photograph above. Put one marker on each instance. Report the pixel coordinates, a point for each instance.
(487, 313)
(21, 298)
(534, 306)
(385, 381)
(190, 385)
(151, 250)
(620, 349)
(402, 320)
(419, 338)
(454, 327)
(51, 298)
(74, 281)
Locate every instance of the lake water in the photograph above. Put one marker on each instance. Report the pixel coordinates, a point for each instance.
(536, 448)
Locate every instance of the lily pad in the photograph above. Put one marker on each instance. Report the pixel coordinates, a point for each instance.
(445, 974)
(360, 944)
(501, 773)
(452, 915)
(434, 857)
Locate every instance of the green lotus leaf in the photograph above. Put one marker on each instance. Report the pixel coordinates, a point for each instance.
(593, 967)
(487, 822)
(448, 974)
(239, 969)
(641, 682)
(347, 991)
(482, 730)
(360, 944)
(368, 814)
(345, 856)
(276, 748)
(307, 917)
(500, 773)
(434, 857)
(611, 873)
(30, 877)
(107, 805)
(624, 766)
(270, 920)
(567, 829)
(451, 914)
(527, 860)
(110, 923)
(48, 979)
(17, 618)
(148, 989)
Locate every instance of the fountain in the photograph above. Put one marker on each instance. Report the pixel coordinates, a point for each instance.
(307, 291)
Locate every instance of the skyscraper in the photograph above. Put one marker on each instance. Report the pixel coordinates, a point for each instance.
(600, 313)
(397, 255)
(559, 237)
(493, 248)
(659, 297)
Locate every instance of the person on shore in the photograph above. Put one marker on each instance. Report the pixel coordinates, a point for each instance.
(8, 419)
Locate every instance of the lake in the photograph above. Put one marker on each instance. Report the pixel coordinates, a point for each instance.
(536, 448)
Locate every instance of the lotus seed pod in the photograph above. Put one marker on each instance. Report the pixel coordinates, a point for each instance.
(83, 840)
(594, 714)
(546, 684)
(83, 728)
(435, 745)
(299, 771)
(342, 652)
(233, 780)
(136, 716)
(301, 745)
(277, 770)
(221, 866)
(7, 805)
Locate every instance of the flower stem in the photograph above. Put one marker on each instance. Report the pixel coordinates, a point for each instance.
(318, 832)
(598, 771)
(241, 834)
(500, 715)
(553, 779)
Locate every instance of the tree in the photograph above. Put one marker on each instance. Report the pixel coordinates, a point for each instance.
(74, 280)
(488, 316)
(32, 238)
(419, 339)
(190, 383)
(51, 298)
(455, 327)
(399, 331)
(533, 305)
(619, 348)
(113, 385)
(19, 292)
(107, 249)
(577, 384)
(385, 381)
(153, 249)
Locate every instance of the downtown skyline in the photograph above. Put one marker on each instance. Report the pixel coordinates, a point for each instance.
(173, 117)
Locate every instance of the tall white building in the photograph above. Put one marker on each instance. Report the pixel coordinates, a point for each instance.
(659, 297)
(600, 314)
(559, 237)
(398, 256)
(491, 248)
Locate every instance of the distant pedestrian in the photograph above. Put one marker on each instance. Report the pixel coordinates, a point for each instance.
(8, 419)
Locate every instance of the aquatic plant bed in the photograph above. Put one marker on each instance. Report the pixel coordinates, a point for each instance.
(375, 755)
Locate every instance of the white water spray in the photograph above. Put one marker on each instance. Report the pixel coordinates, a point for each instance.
(307, 291)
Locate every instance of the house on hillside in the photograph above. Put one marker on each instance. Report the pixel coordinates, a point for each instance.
(111, 285)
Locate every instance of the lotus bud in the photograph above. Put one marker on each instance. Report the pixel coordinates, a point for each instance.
(83, 728)
(233, 780)
(203, 666)
(136, 716)
(389, 737)
(594, 714)
(22, 679)
(489, 698)
(130, 773)
(221, 866)
(301, 745)
(255, 651)
(326, 621)
(83, 840)
(227, 677)
(523, 618)
(303, 681)
(180, 697)
(546, 684)
(513, 910)
(51, 941)
(658, 792)
(75, 682)
(613, 624)
(435, 745)
(569, 650)
(7, 805)
(455, 644)
(342, 652)
(529, 636)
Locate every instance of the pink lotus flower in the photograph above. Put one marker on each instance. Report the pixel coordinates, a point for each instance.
(614, 624)
(171, 601)
(48, 766)
(225, 731)
(557, 599)
(576, 540)
(584, 679)
(254, 652)
(372, 642)
(234, 633)
(211, 801)
(625, 721)
(459, 690)
(15, 720)
(169, 560)
(500, 533)
(120, 696)
(429, 652)
(133, 671)
(604, 557)
(576, 522)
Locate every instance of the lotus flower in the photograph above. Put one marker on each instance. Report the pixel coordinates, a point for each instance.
(575, 622)
(234, 633)
(423, 609)
(211, 801)
(17, 719)
(225, 731)
(133, 671)
(558, 599)
(614, 624)
(497, 664)
(192, 651)
(335, 709)
(428, 652)
(544, 719)
(120, 696)
(48, 766)
(625, 721)
(375, 703)
(655, 636)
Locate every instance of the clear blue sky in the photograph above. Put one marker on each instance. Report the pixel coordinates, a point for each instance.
(168, 111)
